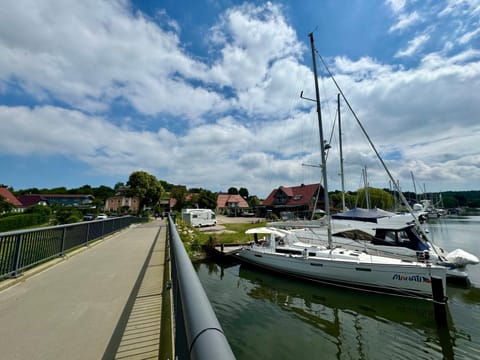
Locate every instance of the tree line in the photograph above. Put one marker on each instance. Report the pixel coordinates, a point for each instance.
(152, 191)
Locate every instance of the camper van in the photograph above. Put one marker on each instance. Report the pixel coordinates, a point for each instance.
(199, 217)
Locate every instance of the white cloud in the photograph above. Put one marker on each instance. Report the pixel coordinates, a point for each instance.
(396, 5)
(467, 37)
(246, 124)
(87, 54)
(405, 21)
(413, 46)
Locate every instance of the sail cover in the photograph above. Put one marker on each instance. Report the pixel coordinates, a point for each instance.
(359, 214)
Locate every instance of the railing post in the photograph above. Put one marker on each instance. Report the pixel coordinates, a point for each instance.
(88, 233)
(18, 249)
(64, 236)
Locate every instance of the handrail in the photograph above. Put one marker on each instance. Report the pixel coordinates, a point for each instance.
(198, 334)
(24, 249)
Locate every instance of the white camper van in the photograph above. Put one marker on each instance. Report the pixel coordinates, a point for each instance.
(199, 217)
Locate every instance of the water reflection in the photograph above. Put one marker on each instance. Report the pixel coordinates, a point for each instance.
(322, 307)
(347, 324)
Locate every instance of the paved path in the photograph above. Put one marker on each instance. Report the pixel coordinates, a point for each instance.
(94, 305)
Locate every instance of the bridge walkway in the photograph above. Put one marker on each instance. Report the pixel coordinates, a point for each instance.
(101, 303)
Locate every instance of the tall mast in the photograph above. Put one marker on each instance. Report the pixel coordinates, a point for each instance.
(322, 144)
(365, 184)
(414, 186)
(342, 176)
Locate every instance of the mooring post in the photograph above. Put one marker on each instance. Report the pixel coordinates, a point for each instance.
(439, 301)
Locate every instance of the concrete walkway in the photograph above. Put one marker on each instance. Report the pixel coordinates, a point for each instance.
(102, 303)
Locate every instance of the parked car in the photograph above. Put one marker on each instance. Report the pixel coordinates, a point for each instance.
(102, 216)
(88, 217)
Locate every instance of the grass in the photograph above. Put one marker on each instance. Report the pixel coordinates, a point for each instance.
(226, 237)
(193, 239)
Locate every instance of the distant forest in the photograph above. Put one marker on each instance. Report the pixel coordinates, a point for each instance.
(449, 199)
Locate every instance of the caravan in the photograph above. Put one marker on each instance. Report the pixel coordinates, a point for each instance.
(199, 217)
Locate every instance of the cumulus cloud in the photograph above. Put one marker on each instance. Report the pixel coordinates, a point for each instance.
(236, 119)
(88, 54)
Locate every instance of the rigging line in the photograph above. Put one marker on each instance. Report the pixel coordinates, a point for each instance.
(402, 196)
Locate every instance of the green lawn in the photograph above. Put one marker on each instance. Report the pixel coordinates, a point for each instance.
(227, 237)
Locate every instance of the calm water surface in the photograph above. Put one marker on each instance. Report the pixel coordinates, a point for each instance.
(267, 316)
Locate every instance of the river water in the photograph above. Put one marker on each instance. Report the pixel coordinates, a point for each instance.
(268, 316)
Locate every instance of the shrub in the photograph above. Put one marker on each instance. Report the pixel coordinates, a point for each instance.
(22, 221)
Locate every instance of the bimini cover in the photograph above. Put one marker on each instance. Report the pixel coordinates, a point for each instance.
(265, 230)
(359, 214)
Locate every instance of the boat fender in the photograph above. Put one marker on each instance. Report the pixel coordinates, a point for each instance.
(461, 257)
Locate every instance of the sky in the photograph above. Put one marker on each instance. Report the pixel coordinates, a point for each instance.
(206, 93)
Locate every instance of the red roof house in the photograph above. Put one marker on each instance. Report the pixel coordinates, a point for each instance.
(10, 198)
(231, 204)
(300, 200)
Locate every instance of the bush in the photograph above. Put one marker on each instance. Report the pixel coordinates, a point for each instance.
(22, 221)
(39, 209)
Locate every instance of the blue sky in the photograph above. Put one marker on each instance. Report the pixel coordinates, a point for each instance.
(206, 93)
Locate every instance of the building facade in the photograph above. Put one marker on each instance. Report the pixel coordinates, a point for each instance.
(293, 202)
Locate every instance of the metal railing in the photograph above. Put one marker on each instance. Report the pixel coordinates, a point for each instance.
(24, 249)
(198, 334)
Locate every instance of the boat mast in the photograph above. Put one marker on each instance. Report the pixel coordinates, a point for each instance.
(397, 186)
(322, 144)
(414, 186)
(365, 184)
(342, 176)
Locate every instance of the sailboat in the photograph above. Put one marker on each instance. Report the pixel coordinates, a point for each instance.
(380, 232)
(338, 265)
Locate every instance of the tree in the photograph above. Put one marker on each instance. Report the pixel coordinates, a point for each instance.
(207, 199)
(5, 206)
(146, 187)
(243, 192)
(84, 190)
(103, 192)
(178, 193)
(233, 191)
(378, 198)
(253, 201)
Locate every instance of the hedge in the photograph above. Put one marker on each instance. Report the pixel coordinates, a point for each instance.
(22, 221)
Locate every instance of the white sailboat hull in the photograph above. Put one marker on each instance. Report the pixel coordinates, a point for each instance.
(360, 270)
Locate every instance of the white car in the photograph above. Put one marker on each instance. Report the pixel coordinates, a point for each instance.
(102, 216)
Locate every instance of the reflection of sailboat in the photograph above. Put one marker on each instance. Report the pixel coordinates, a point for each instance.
(333, 311)
(337, 265)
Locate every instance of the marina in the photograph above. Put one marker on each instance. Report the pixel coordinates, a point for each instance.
(269, 316)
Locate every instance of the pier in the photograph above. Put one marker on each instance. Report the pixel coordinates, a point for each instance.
(115, 298)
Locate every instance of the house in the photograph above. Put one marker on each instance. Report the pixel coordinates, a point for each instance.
(59, 199)
(294, 202)
(11, 199)
(121, 203)
(32, 199)
(229, 204)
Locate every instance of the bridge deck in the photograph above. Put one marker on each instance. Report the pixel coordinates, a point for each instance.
(102, 303)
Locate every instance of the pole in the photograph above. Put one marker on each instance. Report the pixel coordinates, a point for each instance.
(322, 144)
(341, 153)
